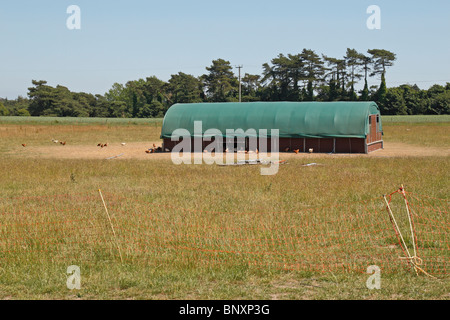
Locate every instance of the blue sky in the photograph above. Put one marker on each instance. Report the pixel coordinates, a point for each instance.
(127, 40)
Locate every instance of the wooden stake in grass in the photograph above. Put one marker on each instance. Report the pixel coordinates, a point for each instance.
(398, 231)
(112, 227)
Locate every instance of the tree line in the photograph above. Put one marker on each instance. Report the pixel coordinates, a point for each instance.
(306, 76)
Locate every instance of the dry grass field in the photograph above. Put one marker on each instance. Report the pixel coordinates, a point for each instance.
(206, 231)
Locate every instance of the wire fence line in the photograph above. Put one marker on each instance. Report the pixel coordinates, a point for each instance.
(74, 229)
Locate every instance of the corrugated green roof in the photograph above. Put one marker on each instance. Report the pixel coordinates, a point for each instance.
(293, 119)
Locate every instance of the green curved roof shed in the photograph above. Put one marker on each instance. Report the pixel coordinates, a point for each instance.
(292, 119)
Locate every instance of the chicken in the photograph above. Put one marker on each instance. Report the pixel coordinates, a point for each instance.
(24, 145)
(105, 145)
(63, 143)
(297, 151)
(123, 143)
(287, 149)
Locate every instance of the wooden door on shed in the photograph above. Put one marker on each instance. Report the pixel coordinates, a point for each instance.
(375, 134)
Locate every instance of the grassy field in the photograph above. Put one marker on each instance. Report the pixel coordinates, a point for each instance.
(416, 119)
(79, 121)
(158, 208)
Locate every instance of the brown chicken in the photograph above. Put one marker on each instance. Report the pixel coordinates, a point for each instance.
(24, 145)
(297, 151)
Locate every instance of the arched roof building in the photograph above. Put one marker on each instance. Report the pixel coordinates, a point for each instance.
(342, 127)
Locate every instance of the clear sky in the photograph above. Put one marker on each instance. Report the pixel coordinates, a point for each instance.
(124, 40)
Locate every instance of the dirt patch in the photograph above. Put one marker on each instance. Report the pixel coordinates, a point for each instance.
(136, 150)
(398, 149)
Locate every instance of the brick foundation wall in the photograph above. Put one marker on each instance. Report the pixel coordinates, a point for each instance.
(319, 145)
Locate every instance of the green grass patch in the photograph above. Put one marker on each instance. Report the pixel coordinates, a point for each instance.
(418, 119)
(56, 121)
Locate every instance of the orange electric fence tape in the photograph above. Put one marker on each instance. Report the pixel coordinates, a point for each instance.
(347, 237)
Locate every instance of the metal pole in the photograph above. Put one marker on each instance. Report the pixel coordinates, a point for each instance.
(240, 87)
